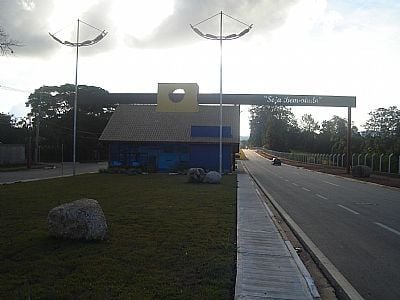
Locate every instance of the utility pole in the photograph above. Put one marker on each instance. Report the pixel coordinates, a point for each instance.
(36, 159)
(75, 100)
(348, 146)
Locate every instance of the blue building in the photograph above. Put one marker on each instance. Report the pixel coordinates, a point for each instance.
(139, 136)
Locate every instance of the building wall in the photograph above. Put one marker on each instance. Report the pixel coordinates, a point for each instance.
(152, 157)
(206, 156)
(12, 154)
(167, 157)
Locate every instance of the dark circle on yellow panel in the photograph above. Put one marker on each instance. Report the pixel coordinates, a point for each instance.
(177, 95)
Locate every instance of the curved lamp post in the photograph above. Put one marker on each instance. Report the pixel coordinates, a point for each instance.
(78, 44)
(221, 38)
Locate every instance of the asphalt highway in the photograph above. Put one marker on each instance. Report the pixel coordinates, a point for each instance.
(57, 170)
(355, 224)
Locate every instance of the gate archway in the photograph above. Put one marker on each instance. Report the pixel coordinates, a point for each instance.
(253, 99)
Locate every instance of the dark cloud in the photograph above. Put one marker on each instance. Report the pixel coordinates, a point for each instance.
(27, 22)
(175, 30)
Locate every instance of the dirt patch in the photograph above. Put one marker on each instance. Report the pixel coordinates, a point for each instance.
(392, 181)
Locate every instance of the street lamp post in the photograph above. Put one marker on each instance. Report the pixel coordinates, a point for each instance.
(75, 101)
(220, 38)
(78, 44)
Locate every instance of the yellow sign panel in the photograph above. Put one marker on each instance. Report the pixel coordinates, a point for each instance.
(170, 100)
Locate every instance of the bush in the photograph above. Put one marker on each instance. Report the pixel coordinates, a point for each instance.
(361, 171)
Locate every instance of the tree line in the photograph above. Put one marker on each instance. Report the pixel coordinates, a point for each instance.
(50, 120)
(276, 128)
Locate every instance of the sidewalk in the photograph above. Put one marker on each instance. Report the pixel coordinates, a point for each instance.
(267, 266)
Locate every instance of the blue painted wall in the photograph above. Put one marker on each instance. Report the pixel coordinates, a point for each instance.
(206, 156)
(167, 157)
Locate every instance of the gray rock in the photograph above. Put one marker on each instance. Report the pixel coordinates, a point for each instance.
(80, 219)
(196, 175)
(361, 171)
(212, 177)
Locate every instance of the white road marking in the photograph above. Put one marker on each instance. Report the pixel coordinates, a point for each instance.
(295, 184)
(348, 209)
(388, 228)
(303, 188)
(330, 183)
(322, 197)
(287, 180)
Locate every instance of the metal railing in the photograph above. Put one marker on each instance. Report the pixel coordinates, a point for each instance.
(378, 162)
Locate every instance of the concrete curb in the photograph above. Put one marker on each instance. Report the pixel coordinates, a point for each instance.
(340, 283)
(45, 178)
(303, 270)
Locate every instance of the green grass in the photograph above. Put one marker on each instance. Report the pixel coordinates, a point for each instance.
(168, 239)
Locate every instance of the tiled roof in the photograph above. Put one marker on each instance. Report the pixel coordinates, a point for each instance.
(141, 123)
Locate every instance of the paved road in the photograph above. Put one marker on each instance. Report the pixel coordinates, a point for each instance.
(65, 170)
(356, 225)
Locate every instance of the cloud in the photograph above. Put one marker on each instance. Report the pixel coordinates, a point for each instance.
(25, 21)
(29, 21)
(98, 16)
(175, 30)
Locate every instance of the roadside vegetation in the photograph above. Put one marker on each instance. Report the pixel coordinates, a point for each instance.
(242, 156)
(276, 128)
(168, 239)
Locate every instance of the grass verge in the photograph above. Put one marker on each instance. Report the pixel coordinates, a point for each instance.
(168, 239)
(242, 156)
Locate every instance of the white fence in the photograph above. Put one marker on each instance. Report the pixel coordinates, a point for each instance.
(379, 163)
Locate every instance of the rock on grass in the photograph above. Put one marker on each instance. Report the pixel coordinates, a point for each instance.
(77, 220)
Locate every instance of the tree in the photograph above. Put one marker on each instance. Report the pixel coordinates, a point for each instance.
(308, 124)
(7, 44)
(384, 122)
(308, 134)
(271, 126)
(52, 110)
(258, 117)
(333, 136)
(10, 131)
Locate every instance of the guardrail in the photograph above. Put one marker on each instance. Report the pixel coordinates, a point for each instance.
(378, 162)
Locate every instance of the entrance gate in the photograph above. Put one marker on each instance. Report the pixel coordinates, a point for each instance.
(253, 99)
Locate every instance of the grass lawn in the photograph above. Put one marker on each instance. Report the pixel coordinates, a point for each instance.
(168, 239)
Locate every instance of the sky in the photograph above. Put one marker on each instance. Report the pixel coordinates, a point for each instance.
(300, 47)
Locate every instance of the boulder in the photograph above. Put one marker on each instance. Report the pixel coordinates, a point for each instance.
(196, 175)
(361, 171)
(80, 219)
(212, 177)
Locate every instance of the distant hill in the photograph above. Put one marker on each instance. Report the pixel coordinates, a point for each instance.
(244, 137)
